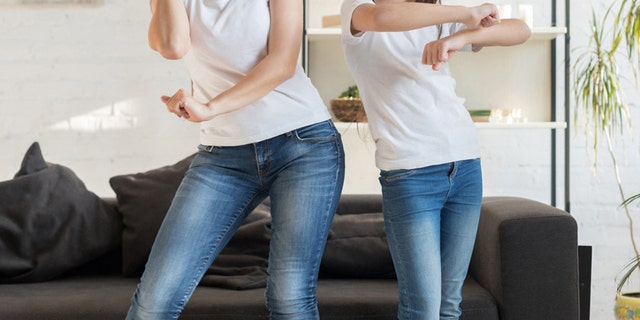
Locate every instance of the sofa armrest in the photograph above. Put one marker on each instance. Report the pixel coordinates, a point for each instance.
(526, 256)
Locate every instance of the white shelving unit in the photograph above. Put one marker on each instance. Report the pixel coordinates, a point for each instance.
(511, 85)
(539, 33)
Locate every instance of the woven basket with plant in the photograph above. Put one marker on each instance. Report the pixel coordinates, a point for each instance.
(348, 106)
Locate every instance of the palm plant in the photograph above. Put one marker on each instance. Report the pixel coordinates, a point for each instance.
(600, 97)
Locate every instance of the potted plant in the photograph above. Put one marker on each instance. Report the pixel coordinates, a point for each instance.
(603, 109)
(348, 106)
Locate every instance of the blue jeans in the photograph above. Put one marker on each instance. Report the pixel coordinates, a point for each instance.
(302, 172)
(431, 219)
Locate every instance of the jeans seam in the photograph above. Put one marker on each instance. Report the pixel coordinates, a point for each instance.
(205, 261)
(327, 212)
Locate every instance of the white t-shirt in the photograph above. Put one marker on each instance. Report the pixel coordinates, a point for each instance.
(415, 116)
(228, 38)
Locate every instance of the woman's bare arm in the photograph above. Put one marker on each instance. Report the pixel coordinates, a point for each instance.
(169, 29)
(279, 65)
(285, 40)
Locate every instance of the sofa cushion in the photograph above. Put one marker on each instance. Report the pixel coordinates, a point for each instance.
(50, 223)
(242, 263)
(143, 201)
(357, 248)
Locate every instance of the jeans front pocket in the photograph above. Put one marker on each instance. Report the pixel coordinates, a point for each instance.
(319, 132)
(393, 175)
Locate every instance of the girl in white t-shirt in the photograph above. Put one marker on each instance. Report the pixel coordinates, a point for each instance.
(426, 145)
(264, 131)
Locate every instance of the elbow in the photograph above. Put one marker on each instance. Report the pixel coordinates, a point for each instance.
(527, 34)
(170, 49)
(373, 19)
(288, 64)
(379, 21)
(287, 72)
(173, 51)
(524, 32)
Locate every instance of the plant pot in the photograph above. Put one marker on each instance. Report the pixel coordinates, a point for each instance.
(348, 110)
(627, 306)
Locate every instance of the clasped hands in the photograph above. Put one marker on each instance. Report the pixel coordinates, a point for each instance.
(438, 52)
(184, 105)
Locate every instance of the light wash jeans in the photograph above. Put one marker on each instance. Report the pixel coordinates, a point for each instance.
(431, 219)
(302, 171)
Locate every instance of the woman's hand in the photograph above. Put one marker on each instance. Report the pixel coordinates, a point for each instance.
(183, 105)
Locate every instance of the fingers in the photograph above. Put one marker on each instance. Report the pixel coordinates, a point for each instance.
(435, 54)
(484, 15)
(491, 15)
(489, 21)
(177, 104)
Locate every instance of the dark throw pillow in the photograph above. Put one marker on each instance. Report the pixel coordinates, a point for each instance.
(243, 262)
(357, 248)
(143, 201)
(50, 223)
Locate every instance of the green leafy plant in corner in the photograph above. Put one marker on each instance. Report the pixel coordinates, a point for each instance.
(600, 100)
(352, 92)
(631, 266)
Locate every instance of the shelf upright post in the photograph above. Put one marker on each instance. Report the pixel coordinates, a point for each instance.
(305, 37)
(567, 105)
(566, 109)
(554, 133)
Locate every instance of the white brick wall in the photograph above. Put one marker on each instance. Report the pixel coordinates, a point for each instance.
(83, 82)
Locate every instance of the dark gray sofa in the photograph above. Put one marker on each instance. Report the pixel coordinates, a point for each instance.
(524, 267)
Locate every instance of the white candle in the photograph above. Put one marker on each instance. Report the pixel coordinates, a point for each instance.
(505, 11)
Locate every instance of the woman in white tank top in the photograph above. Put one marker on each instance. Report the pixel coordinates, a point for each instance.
(264, 132)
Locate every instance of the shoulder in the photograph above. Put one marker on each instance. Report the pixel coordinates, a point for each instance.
(346, 14)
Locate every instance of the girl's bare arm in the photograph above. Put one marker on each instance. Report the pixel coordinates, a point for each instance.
(508, 32)
(403, 16)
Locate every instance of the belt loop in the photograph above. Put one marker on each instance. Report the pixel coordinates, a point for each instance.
(205, 148)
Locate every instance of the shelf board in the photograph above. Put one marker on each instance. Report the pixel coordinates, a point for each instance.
(538, 33)
(548, 33)
(479, 125)
(526, 125)
(320, 33)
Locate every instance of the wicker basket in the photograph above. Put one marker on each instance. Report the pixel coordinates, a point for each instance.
(348, 110)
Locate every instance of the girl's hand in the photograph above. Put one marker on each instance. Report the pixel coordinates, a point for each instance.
(185, 106)
(437, 53)
(485, 15)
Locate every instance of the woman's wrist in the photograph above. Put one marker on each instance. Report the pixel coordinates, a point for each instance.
(211, 110)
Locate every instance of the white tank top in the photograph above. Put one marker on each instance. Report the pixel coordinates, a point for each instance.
(415, 116)
(228, 38)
